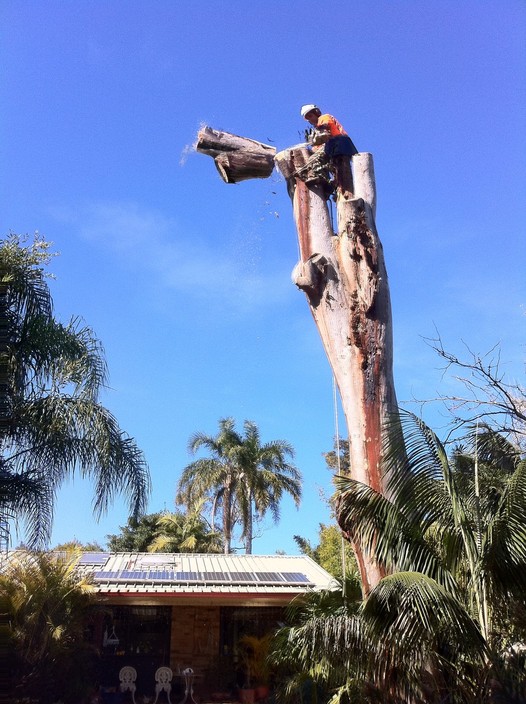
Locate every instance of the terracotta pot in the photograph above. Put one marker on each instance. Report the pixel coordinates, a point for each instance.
(247, 696)
(262, 691)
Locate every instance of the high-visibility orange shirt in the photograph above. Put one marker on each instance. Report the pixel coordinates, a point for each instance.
(330, 122)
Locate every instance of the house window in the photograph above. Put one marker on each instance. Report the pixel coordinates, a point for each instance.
(137, 631)
(237, 621)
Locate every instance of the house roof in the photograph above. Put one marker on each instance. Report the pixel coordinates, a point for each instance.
(194, 574)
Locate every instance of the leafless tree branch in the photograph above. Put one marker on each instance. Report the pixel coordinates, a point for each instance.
(488, 396)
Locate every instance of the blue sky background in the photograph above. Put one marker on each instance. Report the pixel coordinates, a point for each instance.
(187, 280)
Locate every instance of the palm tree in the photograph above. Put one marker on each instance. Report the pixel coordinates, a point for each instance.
(213, 477)
(186, 532)
(47, 606)
(241, 478)
(450, 615)
(265, 476)
(51, 423)
(319, 649)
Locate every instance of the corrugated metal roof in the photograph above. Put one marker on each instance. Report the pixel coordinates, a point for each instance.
(187, 573)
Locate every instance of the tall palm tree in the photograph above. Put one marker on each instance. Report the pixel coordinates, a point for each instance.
(213, 477)
(242, 478)
(265, 476)
(450, 614)
(51, 423)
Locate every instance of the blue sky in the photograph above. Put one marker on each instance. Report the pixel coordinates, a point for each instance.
(187, 280)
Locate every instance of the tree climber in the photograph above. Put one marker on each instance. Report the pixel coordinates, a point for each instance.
(338, 147)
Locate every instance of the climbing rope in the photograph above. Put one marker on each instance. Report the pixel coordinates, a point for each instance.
(338, 463)
(331, 214)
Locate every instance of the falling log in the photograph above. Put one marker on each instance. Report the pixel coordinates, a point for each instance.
(236, 158)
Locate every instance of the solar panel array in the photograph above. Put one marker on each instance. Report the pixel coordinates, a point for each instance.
(94, 558)
(281, 578)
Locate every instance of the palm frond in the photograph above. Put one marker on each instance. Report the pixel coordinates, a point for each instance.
(27, 496)
(384, 531)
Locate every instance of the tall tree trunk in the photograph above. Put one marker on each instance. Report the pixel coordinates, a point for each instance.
(227, 517)
(249, 527)
(344, 278)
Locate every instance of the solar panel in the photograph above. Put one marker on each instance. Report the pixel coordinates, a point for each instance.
(296, 577)
(93, 558)
(242, 577)
(269, 577)
(165, 575)
(156, 575)
(187, 576)
(215, 577)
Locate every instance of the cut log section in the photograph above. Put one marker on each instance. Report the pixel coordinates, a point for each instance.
(236, 158)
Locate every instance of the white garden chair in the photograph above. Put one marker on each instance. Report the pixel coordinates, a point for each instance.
(127, 677)
(163, 683)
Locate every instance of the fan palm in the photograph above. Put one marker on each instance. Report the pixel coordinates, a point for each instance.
(51, 423)
(455, 542)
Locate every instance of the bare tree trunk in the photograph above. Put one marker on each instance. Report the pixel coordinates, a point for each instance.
(227, 517)
(344, 278)
(249, 528)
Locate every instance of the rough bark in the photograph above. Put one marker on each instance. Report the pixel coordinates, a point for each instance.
(236, 158)
(344, 278)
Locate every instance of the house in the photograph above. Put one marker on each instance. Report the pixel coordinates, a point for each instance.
(189, 611)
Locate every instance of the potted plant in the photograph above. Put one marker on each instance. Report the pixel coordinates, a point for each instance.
(254, 655)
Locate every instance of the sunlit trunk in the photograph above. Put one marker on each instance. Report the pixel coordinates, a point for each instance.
(344, 278)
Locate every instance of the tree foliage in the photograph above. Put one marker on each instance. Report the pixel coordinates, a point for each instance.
(48, 607)
(451, 613)
(166, 532)
(137, 535)
(51, 422)
(447, 625)
(75, 546)
(338, 458)
(333, 553)
(241, 479)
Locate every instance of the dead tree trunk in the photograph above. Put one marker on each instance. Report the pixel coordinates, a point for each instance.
(344, 277)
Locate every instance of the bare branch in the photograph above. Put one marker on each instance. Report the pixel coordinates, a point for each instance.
(487, 396)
